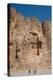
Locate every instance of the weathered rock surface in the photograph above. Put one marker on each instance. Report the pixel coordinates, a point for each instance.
(30, 42)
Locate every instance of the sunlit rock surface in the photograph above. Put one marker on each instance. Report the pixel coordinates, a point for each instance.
(24, 48)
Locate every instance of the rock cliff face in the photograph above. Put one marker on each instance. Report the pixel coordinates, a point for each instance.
(29, 42)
